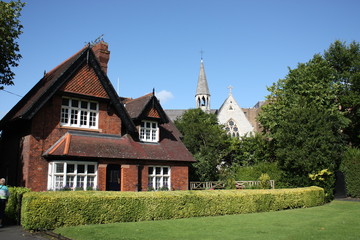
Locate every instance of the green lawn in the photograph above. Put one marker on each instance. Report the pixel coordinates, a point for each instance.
(337, 220)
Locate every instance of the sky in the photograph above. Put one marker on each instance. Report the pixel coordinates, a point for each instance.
(246, 44)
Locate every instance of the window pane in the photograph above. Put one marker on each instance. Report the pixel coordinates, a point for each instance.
(83, 118)
(91, 169)
(70, 168)
(165, 171)
(158, 170)
(91, 182)
(59, 168)
(64, 115)
(84, 104)
(92, 122)
(80, 181)
(59, 182)
(81, 168)
(74, 116)
(93, 106)
(74, 103)
(70, 181)
(154, 125)
(166, 182)
(158, 181)
(148, 125)
(151, 170)
(65, 102)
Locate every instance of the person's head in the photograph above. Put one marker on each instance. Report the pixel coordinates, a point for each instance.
(2, 181)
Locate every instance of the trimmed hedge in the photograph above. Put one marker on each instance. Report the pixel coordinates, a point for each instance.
(49, 210)
(350, 166)
(12, 210)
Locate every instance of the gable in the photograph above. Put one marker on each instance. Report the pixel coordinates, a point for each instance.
(85, 82)
(153, 113)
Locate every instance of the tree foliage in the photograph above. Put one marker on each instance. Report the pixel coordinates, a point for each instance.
(205, 139)
(10, 30)
(345, 60)
(303, 120)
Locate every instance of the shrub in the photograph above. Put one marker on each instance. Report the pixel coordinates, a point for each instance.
(252, 173)
(324, 179)
(264, 181)
(49, 210)
(13, 206)
(350, 166)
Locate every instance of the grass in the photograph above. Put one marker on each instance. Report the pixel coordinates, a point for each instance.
(336, 220)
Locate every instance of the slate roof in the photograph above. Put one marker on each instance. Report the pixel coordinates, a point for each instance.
(202, 86)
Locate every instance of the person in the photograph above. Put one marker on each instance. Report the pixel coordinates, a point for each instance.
(4, 195)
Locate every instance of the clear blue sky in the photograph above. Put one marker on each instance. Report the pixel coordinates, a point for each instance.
(157, 43)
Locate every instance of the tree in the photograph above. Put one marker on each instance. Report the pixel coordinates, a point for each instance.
(345, 60)
(303, 121)
(10, 30)
(206, 140)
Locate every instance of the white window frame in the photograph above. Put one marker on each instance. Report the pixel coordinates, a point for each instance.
(71, 175)
(78, 116)
(159, 179)
(149, 131)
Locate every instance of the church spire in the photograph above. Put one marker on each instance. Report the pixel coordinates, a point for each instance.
(202, 96)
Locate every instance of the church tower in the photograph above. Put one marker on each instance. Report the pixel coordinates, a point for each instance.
(202, 96)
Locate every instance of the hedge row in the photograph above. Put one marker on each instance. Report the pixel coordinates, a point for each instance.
(49, 210)
(12, 210)
(351, 169)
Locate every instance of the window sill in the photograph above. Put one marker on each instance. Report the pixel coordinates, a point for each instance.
(82, 129)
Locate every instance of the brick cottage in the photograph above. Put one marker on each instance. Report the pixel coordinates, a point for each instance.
(71, 130)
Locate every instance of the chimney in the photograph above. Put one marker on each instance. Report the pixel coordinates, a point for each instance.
(102, 54)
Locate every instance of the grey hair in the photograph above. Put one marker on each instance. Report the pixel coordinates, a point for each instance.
(2, 181)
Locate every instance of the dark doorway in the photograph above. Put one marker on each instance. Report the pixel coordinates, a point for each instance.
(340, 186)
(113, 177)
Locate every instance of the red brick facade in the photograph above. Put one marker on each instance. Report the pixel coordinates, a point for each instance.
(32, 136)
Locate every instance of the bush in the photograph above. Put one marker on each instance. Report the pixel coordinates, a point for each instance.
(252, 173)
(13, 206)
(326, 180)
(350, 166)
(49, 210)
(264, 181)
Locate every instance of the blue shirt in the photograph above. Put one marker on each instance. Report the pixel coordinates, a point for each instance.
(4, 192)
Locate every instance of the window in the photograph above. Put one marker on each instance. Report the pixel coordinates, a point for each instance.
(72, 175)
(149, 131)
(79, 113)
(232, 129)
(159, 178)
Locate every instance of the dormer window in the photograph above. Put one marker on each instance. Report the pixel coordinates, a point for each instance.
(149, 131)
(79, 113)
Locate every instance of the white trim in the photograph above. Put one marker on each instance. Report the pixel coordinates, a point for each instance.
(159, 180)
(59, 180)
(149, 131)
(72, 116)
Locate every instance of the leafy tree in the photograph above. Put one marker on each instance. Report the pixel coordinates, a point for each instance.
(303, 121)
(249, 150)
(345, 60)
(205, 139)
(9, 31)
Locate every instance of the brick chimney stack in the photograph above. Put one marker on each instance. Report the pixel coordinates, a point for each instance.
(102, 54)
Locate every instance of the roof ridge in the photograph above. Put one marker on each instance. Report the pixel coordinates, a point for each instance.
(65, 61)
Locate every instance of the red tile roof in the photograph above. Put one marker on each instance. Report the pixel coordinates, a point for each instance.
(94, 145)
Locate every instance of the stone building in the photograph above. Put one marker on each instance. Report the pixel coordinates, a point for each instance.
(236, 120)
